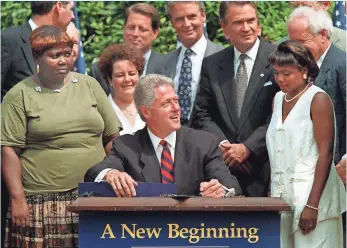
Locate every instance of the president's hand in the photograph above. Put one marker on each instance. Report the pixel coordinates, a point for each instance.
(341, 170)
(212, 188)
(121, 182)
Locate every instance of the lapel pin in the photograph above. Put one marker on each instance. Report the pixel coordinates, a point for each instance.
(262, 75)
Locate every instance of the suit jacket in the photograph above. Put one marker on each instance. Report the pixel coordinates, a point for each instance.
(168, 66)
(332, 79)
(338, 39)
(154, 59)
(197, 159)
(215, 111)
(17, 61)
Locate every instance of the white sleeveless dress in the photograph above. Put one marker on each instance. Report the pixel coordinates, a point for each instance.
(293, 155)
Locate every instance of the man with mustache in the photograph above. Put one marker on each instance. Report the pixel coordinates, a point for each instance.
(184, 64)
(164, 151)
(141, 28)
(235, 97)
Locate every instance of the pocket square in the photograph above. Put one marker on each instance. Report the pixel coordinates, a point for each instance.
(267, 83)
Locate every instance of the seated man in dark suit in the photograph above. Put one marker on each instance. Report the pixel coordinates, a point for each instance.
(141, 28)
(164, 151)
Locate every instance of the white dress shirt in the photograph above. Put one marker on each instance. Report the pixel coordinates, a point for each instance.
(32, 24)
(249, 61)
(170, 139)
(199, 49)
(127, 127)
(321, 59)
(147, 56)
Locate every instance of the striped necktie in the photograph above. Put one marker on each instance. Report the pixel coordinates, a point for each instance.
(166, 162)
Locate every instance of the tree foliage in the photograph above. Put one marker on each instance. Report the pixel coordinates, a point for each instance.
(102, 23)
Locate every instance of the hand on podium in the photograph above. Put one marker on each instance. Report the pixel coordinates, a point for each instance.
(122, 183)
(212, 188)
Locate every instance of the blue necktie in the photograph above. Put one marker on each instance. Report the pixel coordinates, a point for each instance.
(185, 85)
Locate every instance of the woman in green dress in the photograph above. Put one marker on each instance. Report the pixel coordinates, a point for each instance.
(55, 125)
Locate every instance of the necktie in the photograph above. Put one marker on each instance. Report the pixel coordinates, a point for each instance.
(241, 83)
(166, 169)
(185, 85)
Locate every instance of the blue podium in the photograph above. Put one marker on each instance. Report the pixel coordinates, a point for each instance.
(184, 222)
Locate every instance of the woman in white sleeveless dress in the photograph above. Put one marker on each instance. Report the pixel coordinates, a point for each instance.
(122, 66)
(300, 142)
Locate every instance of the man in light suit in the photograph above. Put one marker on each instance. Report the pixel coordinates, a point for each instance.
(188, 19)
(141, 28)
(17, 62)
(164, 151)
(338, 36)
(235, 97)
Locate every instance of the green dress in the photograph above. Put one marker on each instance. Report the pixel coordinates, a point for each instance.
(60, 132)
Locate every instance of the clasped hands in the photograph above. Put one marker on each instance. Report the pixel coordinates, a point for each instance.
(234, 154)
(124, 185)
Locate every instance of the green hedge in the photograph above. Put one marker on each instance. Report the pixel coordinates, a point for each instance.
(101, 23)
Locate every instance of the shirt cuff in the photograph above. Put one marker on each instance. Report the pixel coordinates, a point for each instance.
(101, 175)
(344, 156)
(223, 141)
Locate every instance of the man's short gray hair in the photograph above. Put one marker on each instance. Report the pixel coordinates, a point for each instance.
(317, 20)
(144, 94)
(169, 5)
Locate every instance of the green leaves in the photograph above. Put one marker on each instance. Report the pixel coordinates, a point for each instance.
(102, 23)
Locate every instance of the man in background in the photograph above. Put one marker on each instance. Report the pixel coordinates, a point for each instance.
(235, 97)
(338, 36)
(183, 65)
(141, 28)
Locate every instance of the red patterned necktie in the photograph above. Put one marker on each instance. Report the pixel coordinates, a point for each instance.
(166, 169)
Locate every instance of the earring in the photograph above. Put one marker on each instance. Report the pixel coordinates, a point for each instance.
(304, 76)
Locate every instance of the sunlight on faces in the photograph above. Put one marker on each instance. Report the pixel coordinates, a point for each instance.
(289, 77)
(188, 21)
(163, 117)
(73, 33)
(242, 26)
(124, 78)
(138, 31)
(55, 63)
(298, 30)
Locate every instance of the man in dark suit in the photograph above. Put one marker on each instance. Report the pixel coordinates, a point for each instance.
(188, 19)
(235, 97)
(17, 61)
(141, 28)
(164, 151)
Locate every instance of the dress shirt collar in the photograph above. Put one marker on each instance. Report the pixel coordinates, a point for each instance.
(198, 47)
(147, 56)
(170, 139)
(321, 59)
(251, 53)
(32, 24)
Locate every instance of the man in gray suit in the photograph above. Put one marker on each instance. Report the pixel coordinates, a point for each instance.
(141, 28)
(235, 97)
(164, 152)
(338, 36)
(188, 19)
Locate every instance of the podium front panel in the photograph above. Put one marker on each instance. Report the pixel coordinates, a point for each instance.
(177, 229)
